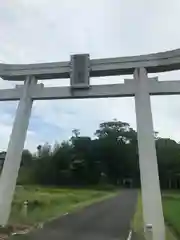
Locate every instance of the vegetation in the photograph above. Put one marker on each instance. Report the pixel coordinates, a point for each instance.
(137, 221)
(109, 158)
(171, 204)
(46, 203)
(171, 218)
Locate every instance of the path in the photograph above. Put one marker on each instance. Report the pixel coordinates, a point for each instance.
(107, 220)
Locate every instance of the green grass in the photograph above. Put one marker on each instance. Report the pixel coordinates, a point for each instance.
(137, 222)
(49, 203)
(171, 205)
(46, 204)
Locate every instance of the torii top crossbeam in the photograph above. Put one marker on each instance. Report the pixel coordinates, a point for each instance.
(156, 62)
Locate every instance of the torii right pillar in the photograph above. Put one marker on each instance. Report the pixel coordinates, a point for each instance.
(150, 186)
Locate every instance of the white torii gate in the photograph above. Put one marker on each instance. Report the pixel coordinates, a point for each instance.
(79, 69)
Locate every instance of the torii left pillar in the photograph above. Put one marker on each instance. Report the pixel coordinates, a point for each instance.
(12, 162)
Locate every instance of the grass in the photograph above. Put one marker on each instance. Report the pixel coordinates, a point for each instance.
(137, 222)
(48, 203)
(171, 205)
(138, 216)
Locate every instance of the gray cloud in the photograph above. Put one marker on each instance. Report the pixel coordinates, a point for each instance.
(39, 31)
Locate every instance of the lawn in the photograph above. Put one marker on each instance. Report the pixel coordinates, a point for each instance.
(172, 216)
(171, 205)
(47, 203)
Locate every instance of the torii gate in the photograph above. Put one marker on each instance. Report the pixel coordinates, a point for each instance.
(79, 69)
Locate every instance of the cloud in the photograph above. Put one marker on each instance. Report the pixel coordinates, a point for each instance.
(46, 31)
(5, 131)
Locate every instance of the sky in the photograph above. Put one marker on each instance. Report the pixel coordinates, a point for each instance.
(33, 31)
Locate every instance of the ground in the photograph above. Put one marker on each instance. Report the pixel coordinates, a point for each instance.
(46, 203)
(171, 205)
(171, 208)
(106, 220)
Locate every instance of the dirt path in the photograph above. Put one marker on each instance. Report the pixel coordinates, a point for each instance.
(107, 220)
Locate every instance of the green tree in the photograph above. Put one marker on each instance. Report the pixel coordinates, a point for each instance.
(168, 153)
(111, 156)
(26, 159)
(115, 138)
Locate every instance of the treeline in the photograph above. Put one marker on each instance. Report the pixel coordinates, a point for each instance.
(110, 158)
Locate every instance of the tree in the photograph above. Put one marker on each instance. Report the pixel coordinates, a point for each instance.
(168, 153)
(115, 137)
(76, 133)
(112, 155)
(120, 131)
(26, 159)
